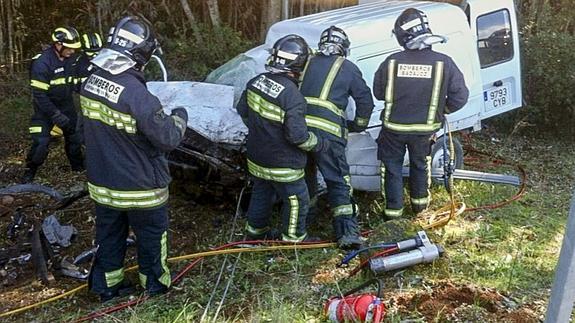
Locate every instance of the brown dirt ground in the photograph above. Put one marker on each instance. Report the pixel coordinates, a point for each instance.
(447, 302)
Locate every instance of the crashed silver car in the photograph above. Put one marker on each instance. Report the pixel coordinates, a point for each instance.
(492, 73)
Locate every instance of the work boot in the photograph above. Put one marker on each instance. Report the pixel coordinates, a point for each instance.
(124, 288)
(28, 175)
(271, 234)
(347, 232)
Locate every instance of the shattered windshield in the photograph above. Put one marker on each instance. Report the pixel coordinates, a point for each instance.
(237, 72)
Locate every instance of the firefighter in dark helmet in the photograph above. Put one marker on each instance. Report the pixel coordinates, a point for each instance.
(419, 86)
(53, 102)
(127, 136)
(329, 80)
(274, 111)
(82, 66)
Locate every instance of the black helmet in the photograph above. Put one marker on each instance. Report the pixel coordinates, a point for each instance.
(289, 54)
(334, 41)
(91, 43)
(133, 37)
(67, 36)
(410, 24)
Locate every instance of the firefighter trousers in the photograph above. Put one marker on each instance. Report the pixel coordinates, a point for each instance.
(335, 171)
(40, 132)
(151, 229)
(295, 204)
(391, 152)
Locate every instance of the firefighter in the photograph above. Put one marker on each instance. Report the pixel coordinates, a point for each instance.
(274, 111)
(127, 137)
(82, 66)
(330, 79)
(53, 102)
(418, 86)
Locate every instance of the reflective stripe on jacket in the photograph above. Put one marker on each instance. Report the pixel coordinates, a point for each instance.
(418, 87)
(327, 84)
(278, 137)
(50, 91)
(127, 135)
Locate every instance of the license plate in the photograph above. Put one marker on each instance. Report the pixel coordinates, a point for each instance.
(497, 98)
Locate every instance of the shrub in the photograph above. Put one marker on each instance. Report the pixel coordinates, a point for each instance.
(549, 81)
(188, 59)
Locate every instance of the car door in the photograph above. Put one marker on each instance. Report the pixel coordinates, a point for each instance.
(495, 24)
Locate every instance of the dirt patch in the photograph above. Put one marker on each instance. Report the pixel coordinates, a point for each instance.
(448, 302)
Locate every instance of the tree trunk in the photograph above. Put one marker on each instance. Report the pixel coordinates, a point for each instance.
(272, 11)
(10, 36)
(2, 56)
(214, 11)
(191, 19)
(301, 7)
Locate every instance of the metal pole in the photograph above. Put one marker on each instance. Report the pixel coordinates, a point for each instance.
(563, 291)
(285, 9)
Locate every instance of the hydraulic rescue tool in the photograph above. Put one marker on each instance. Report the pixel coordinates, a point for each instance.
(421, 250)
(357, 308)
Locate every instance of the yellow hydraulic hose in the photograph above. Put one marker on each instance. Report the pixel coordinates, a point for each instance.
(180, 258)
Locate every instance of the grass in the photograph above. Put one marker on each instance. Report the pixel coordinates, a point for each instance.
(513, 249)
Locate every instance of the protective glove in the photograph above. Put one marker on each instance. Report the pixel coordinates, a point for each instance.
(61, 120)
(180, 112)
(322, 145)
(180, 116)
(353, 127)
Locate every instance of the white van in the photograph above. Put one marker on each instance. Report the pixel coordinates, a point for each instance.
(482, 40)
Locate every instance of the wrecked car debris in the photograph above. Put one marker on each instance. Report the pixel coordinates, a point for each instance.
(56, 233)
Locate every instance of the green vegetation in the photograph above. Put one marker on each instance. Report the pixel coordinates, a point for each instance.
(513, 249)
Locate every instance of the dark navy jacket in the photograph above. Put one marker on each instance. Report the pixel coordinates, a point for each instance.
(274, 111)
(50, 91)
(418, 87)
(127, 135)
(328, 83)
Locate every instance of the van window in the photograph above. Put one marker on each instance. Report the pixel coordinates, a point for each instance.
(494, 38)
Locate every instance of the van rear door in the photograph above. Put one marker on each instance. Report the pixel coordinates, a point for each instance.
(495, 24)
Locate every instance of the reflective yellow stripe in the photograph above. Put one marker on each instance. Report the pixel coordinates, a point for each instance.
(35, 129)
(420, 201)
(330, 78)
(310, 143)
(115, 277)
(39, 85)
(98, 111)
(438, 80)
(293, 216)
(430, 125)
(347, 180)
(143, 280)
(325, 104)
(325, 125)
(128, 199)
(58, 81)
(389, 90)
(264, 108)
(413, 127)
(165, 279)
(428, 165)
(294, 239)
(284, 175)
(256, 231)
(382, 179)
(346, 209)
(393, 213)
(362, 122)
